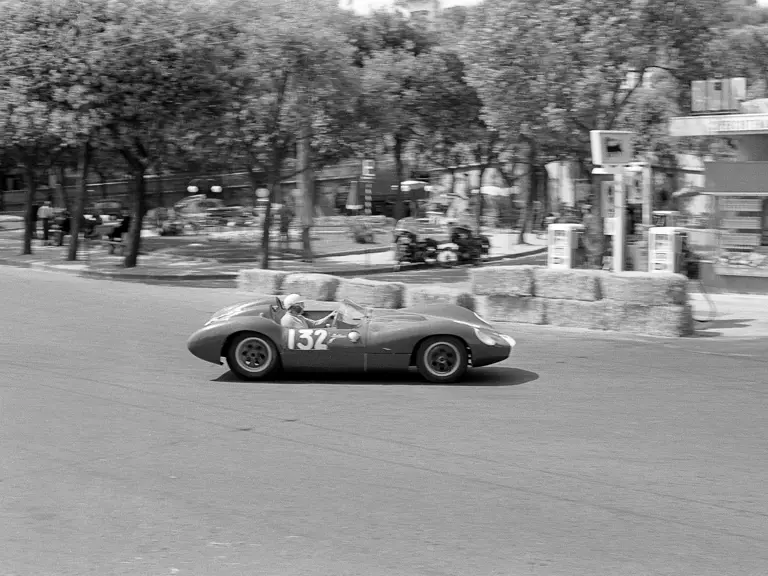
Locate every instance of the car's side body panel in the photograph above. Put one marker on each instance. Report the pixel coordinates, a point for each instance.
(323, 349)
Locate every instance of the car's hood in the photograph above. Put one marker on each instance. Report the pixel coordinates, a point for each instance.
(426, 311)
(253, 308)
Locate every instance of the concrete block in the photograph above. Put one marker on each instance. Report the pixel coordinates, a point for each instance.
(418, 294)
(320, 287)
(567, 284)
(372, 292)
(261, 281)
(671, 320)
(504, 308)
(645, 288)
(510, 280)
(577, 314)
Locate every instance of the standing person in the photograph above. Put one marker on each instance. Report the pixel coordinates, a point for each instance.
(45, 215)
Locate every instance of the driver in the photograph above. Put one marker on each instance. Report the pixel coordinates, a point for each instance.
(294, 318)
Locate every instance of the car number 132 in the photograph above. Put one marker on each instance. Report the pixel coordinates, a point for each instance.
(307, 339)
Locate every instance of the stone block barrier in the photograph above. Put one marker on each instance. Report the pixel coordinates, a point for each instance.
(372, 293)
(635, 302)
(261, 281)
(420, 294)
(312, 286)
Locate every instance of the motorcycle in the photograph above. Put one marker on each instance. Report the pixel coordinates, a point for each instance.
(415, 241)
(464, 247)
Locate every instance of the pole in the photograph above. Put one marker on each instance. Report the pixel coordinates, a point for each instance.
(647, 194)
(619, 232)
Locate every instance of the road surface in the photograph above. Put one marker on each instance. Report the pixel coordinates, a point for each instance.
(583, 455)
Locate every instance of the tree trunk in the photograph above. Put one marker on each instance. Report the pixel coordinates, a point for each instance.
(60, 189)
(76, 218)
(546, 199)
(139, 202)
(160, 189)
(29, 203)
(533, 186)
(274, 184)
(307, 188)
(398, 154)
(480, 202)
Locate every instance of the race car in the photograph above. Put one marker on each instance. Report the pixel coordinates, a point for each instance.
(442, 340)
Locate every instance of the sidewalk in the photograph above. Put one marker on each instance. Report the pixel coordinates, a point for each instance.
(731, 315)
(95, 262)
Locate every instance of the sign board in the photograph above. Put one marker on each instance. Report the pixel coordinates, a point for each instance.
(369, 170)
(633, 184)
(718, 95)
(608, 198)
(611, 147)
(724, 125)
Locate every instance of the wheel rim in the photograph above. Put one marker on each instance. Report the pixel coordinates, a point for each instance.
(442, 359)
(253, 355)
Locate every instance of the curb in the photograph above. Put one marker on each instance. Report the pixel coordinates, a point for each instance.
(181, 278)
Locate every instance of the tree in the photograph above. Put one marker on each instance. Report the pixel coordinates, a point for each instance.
(160, 84)
(25, 95)
(291, 80)
(552, 71)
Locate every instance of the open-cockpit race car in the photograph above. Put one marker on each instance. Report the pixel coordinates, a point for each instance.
(441, 340)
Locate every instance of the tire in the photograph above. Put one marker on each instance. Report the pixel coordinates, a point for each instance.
(442, 359)
(252, 346)
(447, 258)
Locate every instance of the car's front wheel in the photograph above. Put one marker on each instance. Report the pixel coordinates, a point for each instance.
(442, 359)
(252, 356)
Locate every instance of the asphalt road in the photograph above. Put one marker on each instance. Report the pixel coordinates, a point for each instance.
(582, 455)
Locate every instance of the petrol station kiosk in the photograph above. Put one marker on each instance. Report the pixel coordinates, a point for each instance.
(739, 188)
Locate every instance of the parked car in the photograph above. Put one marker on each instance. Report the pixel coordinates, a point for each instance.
(199, 210)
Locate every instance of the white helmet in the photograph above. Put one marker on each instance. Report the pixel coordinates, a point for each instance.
(292, 300)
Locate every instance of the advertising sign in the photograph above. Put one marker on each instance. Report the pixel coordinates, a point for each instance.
(610, 147)
(718, 95)
(608, 197)
(369, 170)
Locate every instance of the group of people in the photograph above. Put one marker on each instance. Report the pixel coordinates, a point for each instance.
(49, 218)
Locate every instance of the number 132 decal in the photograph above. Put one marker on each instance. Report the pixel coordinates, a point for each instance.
(307, 339)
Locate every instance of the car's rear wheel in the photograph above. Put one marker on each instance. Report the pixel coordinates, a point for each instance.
(442, 359)
(252, 356)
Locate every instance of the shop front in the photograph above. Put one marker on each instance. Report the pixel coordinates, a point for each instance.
(740, 193)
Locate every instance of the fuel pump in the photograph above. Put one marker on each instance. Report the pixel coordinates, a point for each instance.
(668, 250)
(565, 245)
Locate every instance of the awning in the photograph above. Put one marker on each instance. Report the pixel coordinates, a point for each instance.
(732, 193)
(688, 192)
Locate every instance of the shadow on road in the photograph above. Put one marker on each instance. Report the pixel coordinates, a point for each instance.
(490, 377)
(730, 323)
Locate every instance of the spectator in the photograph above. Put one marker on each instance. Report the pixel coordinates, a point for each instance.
(45, 215)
